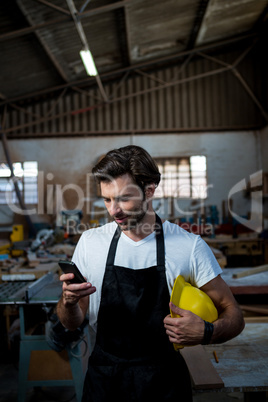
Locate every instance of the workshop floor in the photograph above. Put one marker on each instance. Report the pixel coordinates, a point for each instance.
(9, 390)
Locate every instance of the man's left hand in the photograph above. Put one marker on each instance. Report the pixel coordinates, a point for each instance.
(187, 329)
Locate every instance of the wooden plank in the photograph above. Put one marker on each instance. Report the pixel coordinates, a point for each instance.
(252, 271)
(261, 319)
(249, 290)
(255, 309)
(202, 371)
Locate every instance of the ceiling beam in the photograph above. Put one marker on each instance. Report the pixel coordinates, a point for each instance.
(83, 38)
(226, 67)
(120, 98)
(63, 19)
(123, 35)
(45, 46)
(104, 9)
(51, 5)
(179, 130)
(26, 31)
(119, 72)
(201, 11)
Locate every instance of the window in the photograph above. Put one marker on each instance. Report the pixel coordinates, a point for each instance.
(26, 176)
(182, 177)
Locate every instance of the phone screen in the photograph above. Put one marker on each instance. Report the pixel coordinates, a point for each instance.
(70, 267)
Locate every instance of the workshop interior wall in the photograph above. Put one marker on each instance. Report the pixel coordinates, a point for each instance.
(65, 164)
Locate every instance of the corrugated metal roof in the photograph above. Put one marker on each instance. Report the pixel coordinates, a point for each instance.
(40, 45)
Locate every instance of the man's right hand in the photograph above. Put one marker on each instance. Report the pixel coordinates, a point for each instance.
(73, 292)
(74, 302)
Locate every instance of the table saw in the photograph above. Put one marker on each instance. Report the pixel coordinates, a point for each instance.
(36, 356)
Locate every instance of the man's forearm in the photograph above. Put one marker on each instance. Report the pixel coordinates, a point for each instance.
(70, 315)
(229, 324)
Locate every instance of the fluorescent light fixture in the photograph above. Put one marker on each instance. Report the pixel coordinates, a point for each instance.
(88, 61)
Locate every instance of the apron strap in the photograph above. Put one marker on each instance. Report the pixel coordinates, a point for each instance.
(160, 244)
(113, 245)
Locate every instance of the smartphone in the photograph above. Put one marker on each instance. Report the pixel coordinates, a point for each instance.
(69, 267)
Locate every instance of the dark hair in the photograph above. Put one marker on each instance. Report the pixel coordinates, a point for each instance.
(131, 159)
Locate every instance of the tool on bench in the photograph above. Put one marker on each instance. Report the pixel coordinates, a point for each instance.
(46, 289)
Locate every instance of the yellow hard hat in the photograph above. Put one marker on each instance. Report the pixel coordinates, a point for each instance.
(188, 297)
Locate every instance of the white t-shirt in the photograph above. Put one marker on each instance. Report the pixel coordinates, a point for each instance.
(186, 254)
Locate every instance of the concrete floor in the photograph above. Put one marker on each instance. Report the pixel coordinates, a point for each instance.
(9, 390)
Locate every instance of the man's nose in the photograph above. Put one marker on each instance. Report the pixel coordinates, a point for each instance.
(114, 208)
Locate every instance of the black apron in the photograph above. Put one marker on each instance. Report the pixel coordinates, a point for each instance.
(133, 359)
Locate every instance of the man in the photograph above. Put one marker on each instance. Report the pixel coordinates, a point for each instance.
(130, 266)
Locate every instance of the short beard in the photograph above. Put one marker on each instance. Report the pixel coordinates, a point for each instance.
(132, 223)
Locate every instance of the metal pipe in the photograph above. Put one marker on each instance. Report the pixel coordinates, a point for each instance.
(214, 59)
(84, 6)
(101, 88)
(150, 77)
(243, 55)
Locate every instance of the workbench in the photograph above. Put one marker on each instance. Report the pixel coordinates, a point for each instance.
(239, 365)
(254, 248)
(243, 362)
(249, 285)
(239, 245)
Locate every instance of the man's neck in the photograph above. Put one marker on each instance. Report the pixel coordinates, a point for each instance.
(143, 228)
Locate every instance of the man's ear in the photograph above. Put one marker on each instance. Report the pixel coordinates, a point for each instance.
(149, 190)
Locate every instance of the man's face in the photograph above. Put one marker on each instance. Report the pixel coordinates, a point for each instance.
(125, 201)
